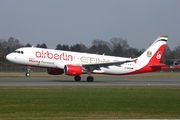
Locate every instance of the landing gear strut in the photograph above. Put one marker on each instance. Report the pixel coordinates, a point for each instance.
(89, 78)
(28, 71)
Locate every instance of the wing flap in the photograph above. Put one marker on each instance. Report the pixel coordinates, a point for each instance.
(96, 66)
(107, 63)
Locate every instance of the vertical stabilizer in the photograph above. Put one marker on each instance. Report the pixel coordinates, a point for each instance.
(150, 59)
(155, 50)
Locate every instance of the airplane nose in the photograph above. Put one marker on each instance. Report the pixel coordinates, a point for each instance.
(9, 57)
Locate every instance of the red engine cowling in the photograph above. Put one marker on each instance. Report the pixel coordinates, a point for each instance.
(55, 71)
(72, 70)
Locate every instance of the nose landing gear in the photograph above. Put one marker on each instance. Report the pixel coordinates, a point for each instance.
(28, 71)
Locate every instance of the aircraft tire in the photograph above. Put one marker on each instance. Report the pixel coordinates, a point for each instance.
(90, 79)
(27, 74)
(77, 78)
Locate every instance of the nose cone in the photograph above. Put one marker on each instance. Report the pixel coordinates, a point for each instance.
(9, 57)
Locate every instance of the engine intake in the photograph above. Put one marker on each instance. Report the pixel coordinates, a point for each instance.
(72, 70)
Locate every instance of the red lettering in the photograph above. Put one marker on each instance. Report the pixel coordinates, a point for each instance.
(56, 56)
(50, 55)
(70, 57)
(61, 56)
(65, 56)
(38, 54)
(44, 55)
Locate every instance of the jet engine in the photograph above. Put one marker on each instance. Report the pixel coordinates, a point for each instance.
(72, 70)
(55, 71)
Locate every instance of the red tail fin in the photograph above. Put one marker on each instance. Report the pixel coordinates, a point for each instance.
(156, 58)
(150, 60)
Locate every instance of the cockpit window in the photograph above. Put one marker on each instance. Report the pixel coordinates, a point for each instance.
(17, 51)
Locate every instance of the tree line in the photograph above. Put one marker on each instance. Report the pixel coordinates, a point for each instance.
(115, 47)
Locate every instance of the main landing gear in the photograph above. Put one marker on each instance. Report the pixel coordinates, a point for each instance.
(28, 71)
(89, 78)
(77, 78)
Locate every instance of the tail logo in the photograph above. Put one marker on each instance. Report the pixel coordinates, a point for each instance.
(159, 54)
(149, 53)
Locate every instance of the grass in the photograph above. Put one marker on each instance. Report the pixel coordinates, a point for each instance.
(89, 102)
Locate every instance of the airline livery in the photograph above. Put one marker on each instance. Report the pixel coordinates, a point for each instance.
(74, 64)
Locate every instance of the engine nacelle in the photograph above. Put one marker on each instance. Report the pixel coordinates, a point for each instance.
(72, 70)
(55, 71)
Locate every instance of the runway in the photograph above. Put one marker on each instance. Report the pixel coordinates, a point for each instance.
(101, 81)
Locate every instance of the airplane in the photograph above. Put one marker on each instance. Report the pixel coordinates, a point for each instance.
(59, 62)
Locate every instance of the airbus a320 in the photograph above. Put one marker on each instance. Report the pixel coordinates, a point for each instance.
(74, 64)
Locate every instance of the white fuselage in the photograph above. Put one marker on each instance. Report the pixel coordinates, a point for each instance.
(49, 58)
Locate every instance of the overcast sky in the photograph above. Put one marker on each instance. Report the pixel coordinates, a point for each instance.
(81, 21)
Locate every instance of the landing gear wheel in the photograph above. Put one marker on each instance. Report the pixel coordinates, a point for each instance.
(28, 71)
(90, 79)
(27, 74)
(77, 78)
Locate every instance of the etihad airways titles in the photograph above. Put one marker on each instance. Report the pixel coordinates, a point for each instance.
(67, 57)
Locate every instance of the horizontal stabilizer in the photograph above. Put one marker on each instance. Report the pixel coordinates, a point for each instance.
(156, 65)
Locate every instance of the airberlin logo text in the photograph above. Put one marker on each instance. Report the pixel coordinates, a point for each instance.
(56, 56)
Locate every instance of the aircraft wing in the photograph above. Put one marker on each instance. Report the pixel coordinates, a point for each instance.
(96, 66)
